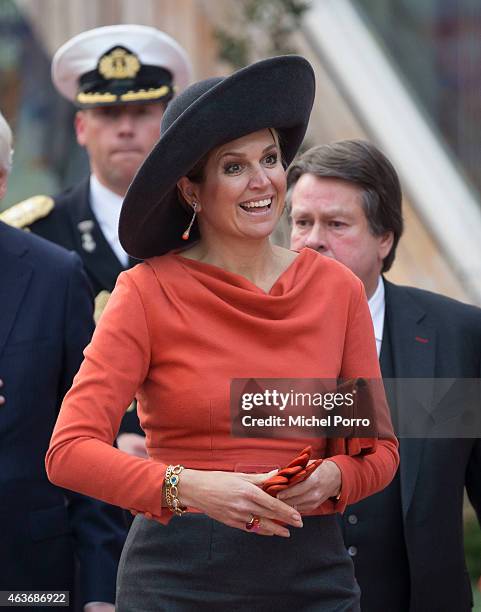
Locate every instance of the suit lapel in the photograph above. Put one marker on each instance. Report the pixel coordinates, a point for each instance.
(15, 275)
(99, 259)
(413, 353)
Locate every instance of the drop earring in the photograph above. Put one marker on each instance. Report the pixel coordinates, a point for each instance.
(186, 234)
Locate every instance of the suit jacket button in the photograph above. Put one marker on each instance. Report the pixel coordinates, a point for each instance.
(352, 519)
(352, 551)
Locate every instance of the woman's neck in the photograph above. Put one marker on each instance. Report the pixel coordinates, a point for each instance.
(256, 260)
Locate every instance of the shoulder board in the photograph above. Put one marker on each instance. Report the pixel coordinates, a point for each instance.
(25, 213)
(101, 300)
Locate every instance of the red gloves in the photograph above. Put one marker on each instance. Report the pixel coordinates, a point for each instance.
(297, 471)
(364, 406)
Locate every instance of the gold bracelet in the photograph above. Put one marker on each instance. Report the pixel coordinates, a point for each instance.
(172, 479)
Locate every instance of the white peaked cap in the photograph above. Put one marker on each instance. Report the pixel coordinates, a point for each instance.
(81, 54)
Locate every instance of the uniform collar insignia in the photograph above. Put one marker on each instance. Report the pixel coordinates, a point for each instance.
(85, 229)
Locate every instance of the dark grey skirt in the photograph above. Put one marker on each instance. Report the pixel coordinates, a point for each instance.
(198, 564)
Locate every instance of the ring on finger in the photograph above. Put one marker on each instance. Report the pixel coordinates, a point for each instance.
(254, 523)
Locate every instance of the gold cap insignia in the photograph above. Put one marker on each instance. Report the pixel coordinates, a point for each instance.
(27, 212)
(119, 64)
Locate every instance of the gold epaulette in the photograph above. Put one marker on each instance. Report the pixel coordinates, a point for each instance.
(101, 300)
(28, 211)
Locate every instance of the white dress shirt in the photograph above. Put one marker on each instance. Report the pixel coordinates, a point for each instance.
(106, 207)
(377, 306)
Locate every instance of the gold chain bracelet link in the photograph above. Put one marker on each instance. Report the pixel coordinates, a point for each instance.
(172, 479)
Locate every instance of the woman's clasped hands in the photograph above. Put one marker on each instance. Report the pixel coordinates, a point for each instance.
(324, 483)
(236, 499)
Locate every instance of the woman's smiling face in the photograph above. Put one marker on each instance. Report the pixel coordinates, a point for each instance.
(243, 188)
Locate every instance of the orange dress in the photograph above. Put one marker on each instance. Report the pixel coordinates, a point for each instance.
(174, 334)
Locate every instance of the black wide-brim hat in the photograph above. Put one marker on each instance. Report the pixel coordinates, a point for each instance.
(273, 93)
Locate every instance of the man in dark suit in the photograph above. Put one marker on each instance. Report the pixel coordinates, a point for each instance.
(407, 541)
(121, 78)
(46, 322)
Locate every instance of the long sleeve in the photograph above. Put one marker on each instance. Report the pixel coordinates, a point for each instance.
(81, 456)
(364, 475)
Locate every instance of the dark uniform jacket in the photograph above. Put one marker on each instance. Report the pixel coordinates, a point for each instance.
(72, 224)
(45, 324)
(407, 541)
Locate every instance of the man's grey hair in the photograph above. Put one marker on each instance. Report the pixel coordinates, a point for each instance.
(6, 151)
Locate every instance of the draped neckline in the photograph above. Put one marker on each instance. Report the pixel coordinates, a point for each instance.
(280, 285)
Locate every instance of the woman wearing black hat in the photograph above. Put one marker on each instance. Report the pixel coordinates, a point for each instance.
(180, 326)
